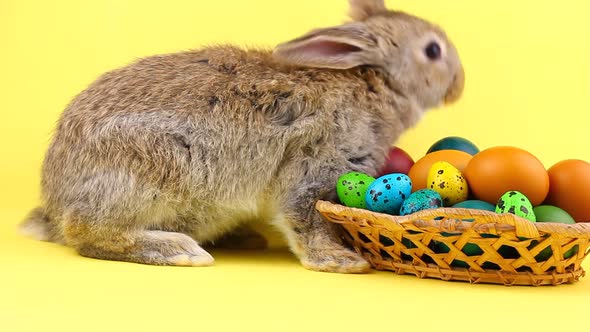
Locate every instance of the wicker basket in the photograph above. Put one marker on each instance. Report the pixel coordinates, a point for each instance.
(429, 244)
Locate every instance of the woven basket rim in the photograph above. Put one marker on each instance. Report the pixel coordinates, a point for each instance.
(419, 237)
(489, 276)
(488, 222)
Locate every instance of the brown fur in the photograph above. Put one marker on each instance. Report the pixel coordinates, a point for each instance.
(180, 149)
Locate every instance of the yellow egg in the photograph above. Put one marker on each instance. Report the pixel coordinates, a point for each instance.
(448, 181)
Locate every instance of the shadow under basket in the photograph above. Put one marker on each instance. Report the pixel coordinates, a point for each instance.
(465, 245)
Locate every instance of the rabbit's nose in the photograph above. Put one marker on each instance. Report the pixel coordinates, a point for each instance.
(456, 89)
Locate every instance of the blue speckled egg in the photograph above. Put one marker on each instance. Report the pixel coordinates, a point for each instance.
(387, 193)
(422, 199)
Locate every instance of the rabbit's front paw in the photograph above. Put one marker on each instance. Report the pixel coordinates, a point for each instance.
(337, 260)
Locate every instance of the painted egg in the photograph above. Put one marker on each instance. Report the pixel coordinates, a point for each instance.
(387, 193)
(569, 182)
(546, 253)
(397, 161)
(497, 170)
(516, 203)
(508, 252)
(422, 199)
(419, 171)
(409, 245)
(446, 180)
(385, 241)
(454, 143)
(352, 187)
(469, 249)
(476, 205)
(549, 213)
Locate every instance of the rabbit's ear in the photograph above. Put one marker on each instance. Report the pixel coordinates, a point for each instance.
(363, 9)
(341, 47)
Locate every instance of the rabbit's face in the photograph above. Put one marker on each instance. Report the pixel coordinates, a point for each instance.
(418, 57)
(415, 55)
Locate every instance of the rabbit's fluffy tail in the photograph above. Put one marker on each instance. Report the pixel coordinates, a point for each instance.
(37, 225)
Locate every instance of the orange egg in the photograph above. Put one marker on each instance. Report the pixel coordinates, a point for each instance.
(493, 172)
(419, 171)
(569, 188)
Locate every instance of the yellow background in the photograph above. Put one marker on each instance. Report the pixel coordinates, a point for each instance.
(528, 84)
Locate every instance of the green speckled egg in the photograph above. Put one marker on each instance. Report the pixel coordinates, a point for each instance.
(516, 203)
(352, 187)
(422, 199)
(448, 181)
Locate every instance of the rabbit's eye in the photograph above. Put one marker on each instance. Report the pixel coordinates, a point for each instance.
(433, 51)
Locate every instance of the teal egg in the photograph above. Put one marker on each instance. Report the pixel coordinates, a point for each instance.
(476, 205)
(385, 241)
(422, 199)
(549, 213)
(410, 245)
(454, 143)
(508, 252)
(469, 249)
(546, 253)
(387, 193)
(352, 187)
(516, 203)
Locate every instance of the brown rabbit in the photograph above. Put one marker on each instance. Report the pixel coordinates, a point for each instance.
(178, 150)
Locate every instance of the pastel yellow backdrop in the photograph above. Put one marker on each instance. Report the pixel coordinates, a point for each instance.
(528, 84)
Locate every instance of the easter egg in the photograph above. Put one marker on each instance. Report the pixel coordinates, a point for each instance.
(516, 203)
(569, 188)
(469, 249)
(549, 213)
(494, 171)
(546, 253)
(419, 171)
(409, 245)
(387, 193)
(476, 205)
(385, 241)
(571, 252)
(446, 180)
(422, 199)
(397, 161)
(454, 143)
(508, 252)
(351, 189)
